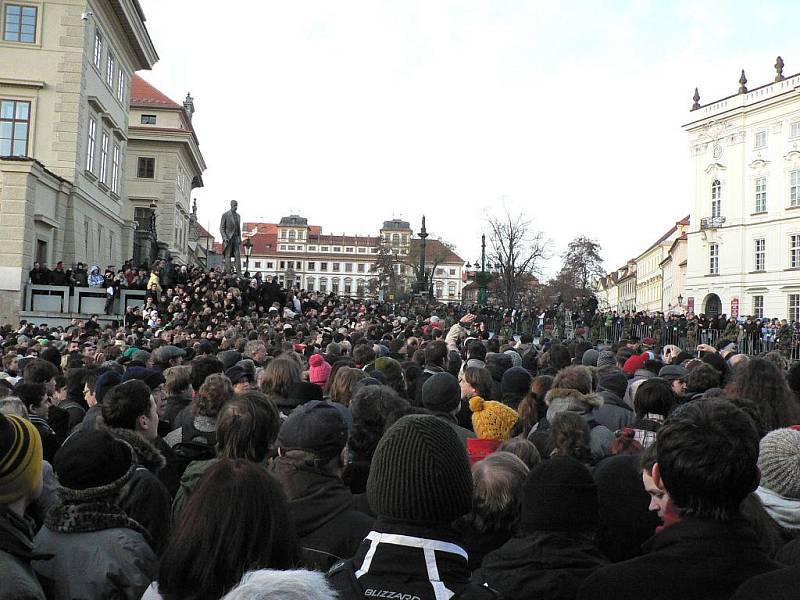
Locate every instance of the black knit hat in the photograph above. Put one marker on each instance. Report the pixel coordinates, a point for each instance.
(304, 391)
(317, 427)
(91, 464)
(559, 495)
(420, 472)
(441, 393)
(516, 382)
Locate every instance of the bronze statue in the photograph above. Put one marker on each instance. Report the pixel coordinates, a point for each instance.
(231, 230)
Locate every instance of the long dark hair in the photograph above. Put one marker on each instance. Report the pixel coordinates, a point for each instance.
(760, 380)
(236, 521)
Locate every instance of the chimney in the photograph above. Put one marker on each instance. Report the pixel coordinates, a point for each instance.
(188, 105)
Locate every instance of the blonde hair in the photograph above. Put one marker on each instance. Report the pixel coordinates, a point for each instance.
(178, 379)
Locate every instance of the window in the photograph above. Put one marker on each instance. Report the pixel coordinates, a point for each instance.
(323, 284)
(103, 156)
(282, 264)
(451, 289)
(14, 125)
(20, 24)
(713, 259)
(323, 266)
(794, 251)
(360, 267)
(121, 85)
(758, 307)
(348, 286)
(292, 235)
(148, 119)
(336, 249)
(283, 246)
(312, 265)
(348, 267)
(335, 285)
(795, 129)
(110, 64)
(794, 188)
(761, 194)
(761, 138)
(716, 198)
(146, 168)
(290, 264)
(395, 239)
(86, 238)
(90, 147)
(336, 267)
(312, 248)
(794, 307)
(362, 250)
(115, 170)
(452, 271)
(310, 284)
(439, 289)
(324, 248)
(760, 254)
(98, 48)
(269, 265)
(283, 234)
(360, 287)
(290, 247)
(348, 249)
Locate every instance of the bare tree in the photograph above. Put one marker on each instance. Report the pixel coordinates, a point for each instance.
(436, 252)
(582, 262)
(517, 252)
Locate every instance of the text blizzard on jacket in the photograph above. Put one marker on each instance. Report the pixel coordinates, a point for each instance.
(389, 594)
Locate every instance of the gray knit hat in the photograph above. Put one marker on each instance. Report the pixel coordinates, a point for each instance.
(589, 358)
(606, 359)
(516, 359)
(779, 461)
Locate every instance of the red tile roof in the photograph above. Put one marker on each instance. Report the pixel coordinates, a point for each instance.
(145, 95)
(436, 249)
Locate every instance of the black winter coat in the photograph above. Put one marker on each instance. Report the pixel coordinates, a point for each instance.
(776, 585)
(692, 559)
(544, 565)
(323, 510)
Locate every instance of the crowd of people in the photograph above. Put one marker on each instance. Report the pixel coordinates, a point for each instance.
(230, 439)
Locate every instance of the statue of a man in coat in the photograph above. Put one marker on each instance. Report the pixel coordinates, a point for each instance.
(231, 230)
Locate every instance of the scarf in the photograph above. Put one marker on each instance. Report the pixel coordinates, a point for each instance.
(784, 511)
(96, 515)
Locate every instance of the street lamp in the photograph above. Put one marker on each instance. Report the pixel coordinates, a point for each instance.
(423, 279)
(248, 250)
(680, 300)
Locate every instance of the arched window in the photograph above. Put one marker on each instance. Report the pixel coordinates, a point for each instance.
(716, 198)
(395, 239)
(335, 285)
(451, 289)
(348, 286)
(360, 287)
(310, 284)
(323, 285)
(439, 289)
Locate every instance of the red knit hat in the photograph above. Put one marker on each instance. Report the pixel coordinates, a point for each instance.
(318, 369)
(633, 364)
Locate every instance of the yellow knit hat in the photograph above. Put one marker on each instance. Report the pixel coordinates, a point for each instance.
(20, 458)
(491, 420)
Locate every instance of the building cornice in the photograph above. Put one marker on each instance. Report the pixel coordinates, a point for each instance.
(131, 18)
(172, 136)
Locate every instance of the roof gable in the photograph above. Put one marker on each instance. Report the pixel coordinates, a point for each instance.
(144, 94)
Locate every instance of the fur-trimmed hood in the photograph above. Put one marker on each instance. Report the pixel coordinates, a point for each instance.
(565, 399)
(147, 454)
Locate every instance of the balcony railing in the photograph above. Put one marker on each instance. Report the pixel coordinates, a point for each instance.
(712, 222)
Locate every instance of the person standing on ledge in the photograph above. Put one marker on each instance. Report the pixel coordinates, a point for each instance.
(230, 229)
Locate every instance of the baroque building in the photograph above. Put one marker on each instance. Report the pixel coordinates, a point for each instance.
(744, 239)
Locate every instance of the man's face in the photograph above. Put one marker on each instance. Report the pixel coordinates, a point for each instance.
(679, 387)
(88, 350)
(41, 409)
(241, 387)
(73, 347)
(88, 395)
(234, 205)
(148, 424)
(658, 496)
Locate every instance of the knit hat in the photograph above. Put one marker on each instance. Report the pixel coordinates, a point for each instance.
(318, 369)
(633, 364)
(20, 458)
(105, 382)
(612, 380)
(317, 427)
(559, 495)
(491, 420)
(441, 393)
(516, 381)
(93, 464)
(589, 358)
(516, 359)
(606, 359)
(389, 367)
(420, 472)
(152, 377)
(228, 358)
(673, 372)
(779, 461)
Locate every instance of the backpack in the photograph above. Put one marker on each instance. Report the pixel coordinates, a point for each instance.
(184, 452)
(343, 578)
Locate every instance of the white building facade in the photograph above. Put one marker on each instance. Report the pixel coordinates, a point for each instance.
(743, 247)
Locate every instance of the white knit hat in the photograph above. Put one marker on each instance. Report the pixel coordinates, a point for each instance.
(779, 461)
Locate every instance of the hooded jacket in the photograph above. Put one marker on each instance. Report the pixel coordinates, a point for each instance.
(545, 565)
(19, 582)
(144, 498)
(323, 510)
(565, 399)
(614, 413)
(404, 561)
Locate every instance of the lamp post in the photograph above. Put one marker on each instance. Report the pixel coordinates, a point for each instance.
(482, 278)
(423, 279)
(248, 250)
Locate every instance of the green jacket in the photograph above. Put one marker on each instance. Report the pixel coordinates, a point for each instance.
(191, 476)
(17, 579)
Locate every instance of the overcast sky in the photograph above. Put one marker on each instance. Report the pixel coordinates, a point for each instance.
(352, 112)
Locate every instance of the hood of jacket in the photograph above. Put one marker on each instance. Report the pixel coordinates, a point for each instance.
(315, 498)
(146, 453)
(784, 511)
(610, 398)
(565, 399)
